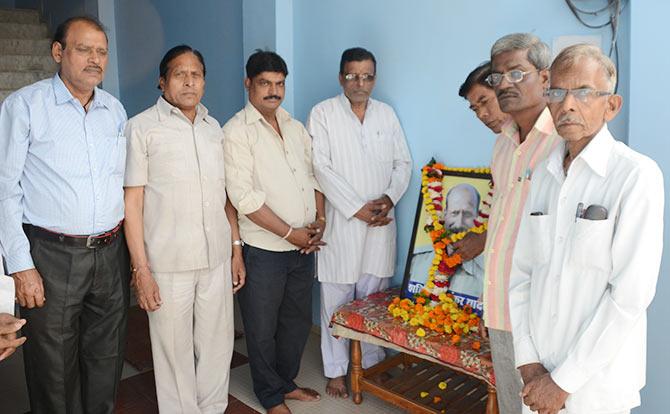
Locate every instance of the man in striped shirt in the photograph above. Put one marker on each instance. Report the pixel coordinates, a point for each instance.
(362, 163)
(519, 75)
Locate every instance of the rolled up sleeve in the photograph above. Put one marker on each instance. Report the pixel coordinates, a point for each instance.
(239, 167)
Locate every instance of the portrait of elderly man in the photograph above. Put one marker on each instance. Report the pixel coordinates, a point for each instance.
(61, 212)
(460, 211)
(183, 237)
(588, 254)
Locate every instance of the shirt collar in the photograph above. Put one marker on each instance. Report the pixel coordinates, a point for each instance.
(344, 101)
(544, 125)
(166, 109)
(596, 154)
(253, 115)
(63, 94)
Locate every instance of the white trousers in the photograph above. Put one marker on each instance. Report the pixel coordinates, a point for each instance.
(335, 351)
(192, 340)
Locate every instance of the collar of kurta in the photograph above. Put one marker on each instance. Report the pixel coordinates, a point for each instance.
(346, 104)
(596, 154)
(166, 110)
(544, 125)
(252, 114)
(62, 94)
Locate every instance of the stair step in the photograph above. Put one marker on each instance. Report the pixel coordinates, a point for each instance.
(23, 31)
(16, 80)
(19, 16)
(4, 94)
(24, 47)
(43, 63)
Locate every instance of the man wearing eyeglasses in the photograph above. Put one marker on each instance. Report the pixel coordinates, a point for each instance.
(591, 241)
(519, 75)
(61, 206)
(362, 163)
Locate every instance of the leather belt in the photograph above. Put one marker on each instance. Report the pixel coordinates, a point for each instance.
(93, 241)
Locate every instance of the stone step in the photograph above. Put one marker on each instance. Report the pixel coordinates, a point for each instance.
(16, 80)
(23, 31)
(4, 94)
(43, 63)
(25, 47)
(19, 16)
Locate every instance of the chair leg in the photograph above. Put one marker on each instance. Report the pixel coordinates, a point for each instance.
(356, 371)
(492, 401)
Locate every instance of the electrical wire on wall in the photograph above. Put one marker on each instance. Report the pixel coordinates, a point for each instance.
(613, 10)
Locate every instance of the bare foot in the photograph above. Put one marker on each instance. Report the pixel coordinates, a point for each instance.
(279, 409)
(337, 387)
(303, 394)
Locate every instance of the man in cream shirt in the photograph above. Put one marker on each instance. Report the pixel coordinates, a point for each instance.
(181, 235)
(269, 179)
(363, 165)
(588, 253)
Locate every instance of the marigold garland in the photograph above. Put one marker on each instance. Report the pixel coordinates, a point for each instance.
(445, 265)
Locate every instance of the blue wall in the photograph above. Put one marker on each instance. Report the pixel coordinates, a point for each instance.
(146, 29)
(649, 111)
(423, 54)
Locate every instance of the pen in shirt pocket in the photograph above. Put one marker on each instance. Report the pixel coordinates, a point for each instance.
(526, 175)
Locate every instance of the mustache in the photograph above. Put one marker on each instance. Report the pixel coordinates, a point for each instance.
(506, 92)
(567, 119)
(272, 97)
(94, 67)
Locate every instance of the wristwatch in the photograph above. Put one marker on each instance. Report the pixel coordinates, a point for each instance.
(238, 243)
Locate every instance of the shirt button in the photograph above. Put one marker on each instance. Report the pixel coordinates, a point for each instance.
(518, 152)
(561, 239)
(563, 200)
(490, 283)
(511, 185)
(204, 178)
(491, 251)
(206, 228)
(206, 203)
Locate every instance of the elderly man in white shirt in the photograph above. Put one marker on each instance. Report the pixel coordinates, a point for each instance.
(363, 165)
(588, 254)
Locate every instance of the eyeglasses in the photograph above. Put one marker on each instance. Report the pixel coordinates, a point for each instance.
(365, 77)
(513, 76)
(582, 94)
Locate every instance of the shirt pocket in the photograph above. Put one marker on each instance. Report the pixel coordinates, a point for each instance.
(591, 244)
(541, 235)
(167, 162)
(381, 146)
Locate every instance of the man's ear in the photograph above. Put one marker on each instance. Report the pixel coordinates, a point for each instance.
(57, 51)
(614, 103)
(161, 83)
(247, 83)
(544, 77)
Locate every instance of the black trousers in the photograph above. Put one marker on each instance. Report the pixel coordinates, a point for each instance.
(276, 305)
(74, 352)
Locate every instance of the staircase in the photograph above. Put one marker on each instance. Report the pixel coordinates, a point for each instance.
(25, 50)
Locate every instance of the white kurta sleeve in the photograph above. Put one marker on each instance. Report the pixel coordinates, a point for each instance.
(519, 291)
(402, 164)
(636, 256)
(338, 191)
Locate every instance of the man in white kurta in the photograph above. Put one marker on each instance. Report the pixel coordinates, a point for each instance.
(363, 165)
(588, 253)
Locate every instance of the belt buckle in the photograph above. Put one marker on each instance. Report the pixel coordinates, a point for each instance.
(89, 242)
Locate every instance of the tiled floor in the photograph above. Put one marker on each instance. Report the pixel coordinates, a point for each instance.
(137, 393)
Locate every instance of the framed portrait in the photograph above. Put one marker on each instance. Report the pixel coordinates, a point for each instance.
(459, 200)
